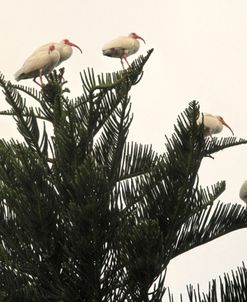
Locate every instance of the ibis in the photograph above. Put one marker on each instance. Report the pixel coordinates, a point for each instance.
(122, 47)
(212, 124)
(45, 58)
(39, 64)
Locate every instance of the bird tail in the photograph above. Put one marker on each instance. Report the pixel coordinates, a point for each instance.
(107, 52)
(19, 75)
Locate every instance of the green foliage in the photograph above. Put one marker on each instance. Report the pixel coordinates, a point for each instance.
(87, 215)
(231, 288)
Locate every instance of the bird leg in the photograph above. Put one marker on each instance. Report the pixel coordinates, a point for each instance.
(126, 61)
(40, 76)
(122, 63)
(41, 84)
(209, 133)
(34, 79)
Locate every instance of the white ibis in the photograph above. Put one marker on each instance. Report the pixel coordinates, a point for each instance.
(122, 47)
(39, 64)
(64, 48)
(212, 124)
(243, 192)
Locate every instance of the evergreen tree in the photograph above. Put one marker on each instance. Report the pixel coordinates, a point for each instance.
(87, 215)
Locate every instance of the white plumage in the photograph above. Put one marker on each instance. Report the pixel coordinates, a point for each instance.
(64, 48)
(122, 47)
(39, 64)
(212, 124)
(44, 59)
(243, 192)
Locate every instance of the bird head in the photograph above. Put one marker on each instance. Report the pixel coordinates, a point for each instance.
(220, 118)
(135, 36)
(67, 42)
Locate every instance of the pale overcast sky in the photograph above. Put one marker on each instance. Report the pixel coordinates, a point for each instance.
(200, 53)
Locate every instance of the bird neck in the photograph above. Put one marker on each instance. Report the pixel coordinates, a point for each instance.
(66, 52)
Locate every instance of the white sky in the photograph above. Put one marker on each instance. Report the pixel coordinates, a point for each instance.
(200, 53)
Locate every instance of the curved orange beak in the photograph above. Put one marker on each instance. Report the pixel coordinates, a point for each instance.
(74, 45)
(225, 124)
(138, 37)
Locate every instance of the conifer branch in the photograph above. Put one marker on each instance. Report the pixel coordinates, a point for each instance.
(10, 113)
(29, 127)
(100, 218)
(205, 226)
(231, 287)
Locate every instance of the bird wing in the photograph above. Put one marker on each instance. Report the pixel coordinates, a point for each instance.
(121, 43)
(60, 47)
(40, 60)
(44, 47)
(208, 114)
(205, 116)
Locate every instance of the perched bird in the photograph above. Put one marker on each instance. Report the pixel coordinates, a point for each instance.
(243, 192)
(39, 64)
(51, 53)
(122, 47)
(212, 124)
(64, 48)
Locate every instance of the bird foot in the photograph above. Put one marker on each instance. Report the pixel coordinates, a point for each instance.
(40, 84)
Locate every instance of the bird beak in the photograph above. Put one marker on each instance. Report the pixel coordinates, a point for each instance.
(138, 37)
(225, 124)
(74, 45)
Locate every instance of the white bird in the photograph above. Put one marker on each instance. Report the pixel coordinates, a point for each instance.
(212, 124)
(64, 48)
(122, 47)
(243, 192)
(39, 64)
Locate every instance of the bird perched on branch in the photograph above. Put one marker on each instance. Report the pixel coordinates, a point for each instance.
(44, 59)
(212, 124)
(122, 47)
(38, 65)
